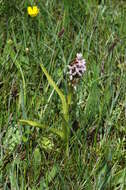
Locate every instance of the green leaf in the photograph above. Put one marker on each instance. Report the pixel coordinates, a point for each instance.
(46, 143)
(36, 163)
(60, 133)
(50, 175)
(36, 124)
(32, 123)
(37, 157)
(59, 92)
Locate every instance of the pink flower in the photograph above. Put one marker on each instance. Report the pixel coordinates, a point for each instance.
(77, 67)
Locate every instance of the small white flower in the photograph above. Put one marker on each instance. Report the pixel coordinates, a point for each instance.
(71, 77)
(79, 56)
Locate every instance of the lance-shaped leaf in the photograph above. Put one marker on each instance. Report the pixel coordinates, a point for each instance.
(59, 92)
(32, 123)
(38, 125)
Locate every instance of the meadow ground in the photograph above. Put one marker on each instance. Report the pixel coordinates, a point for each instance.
(32, 157)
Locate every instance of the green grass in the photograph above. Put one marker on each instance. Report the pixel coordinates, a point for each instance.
(32, 158)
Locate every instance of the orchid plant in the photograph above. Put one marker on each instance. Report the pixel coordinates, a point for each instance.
(75, 71)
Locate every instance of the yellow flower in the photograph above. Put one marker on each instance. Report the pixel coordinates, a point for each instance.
(33, 11)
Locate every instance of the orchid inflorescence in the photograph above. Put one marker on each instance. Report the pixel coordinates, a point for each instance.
(76, 68)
